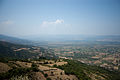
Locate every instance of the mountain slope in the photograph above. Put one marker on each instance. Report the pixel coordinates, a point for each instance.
(89, 72)
(15, 40)
(10, 50)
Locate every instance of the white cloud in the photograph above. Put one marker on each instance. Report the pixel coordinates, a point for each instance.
(59, 21)
(47, 23)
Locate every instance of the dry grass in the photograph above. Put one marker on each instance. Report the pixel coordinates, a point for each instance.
(94, 76)
(4, 67)
(56, 74)
(20, 78)
(58, 63)
(37, 76)
(53, 73)
(63, 77)
(24, 64)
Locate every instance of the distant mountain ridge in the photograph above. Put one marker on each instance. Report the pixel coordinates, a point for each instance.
(113, 38)
(15, 40)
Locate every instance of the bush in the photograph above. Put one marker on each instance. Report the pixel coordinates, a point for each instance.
(34, 67)
(48, 79)
(54, 65)
(46, 75)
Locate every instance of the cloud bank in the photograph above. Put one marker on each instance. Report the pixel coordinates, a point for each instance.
(50, 23)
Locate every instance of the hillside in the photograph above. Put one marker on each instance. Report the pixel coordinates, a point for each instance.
(33, 70)
(44, 69)
(89, 72)
(27, 62)
(15, 40)
(16, 51)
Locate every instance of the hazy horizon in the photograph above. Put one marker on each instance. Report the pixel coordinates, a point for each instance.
(59, 17)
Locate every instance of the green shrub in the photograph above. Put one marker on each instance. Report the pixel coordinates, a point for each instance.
(46, 75)
(34, 67)
(48, 79)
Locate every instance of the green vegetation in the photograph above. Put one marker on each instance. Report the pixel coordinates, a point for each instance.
(46, 75)
(34, 67)
(48, 79)
(83, 71)
(7, 50)
(14, 72)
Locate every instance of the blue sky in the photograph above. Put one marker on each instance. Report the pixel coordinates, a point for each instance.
(53, 17)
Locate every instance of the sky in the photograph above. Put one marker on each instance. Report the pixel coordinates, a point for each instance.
(59, 17)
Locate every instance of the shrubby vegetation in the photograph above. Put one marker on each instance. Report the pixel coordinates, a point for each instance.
(7, 51)
(82, 71)
(14, 72)
(20, 78)
(34, 67)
